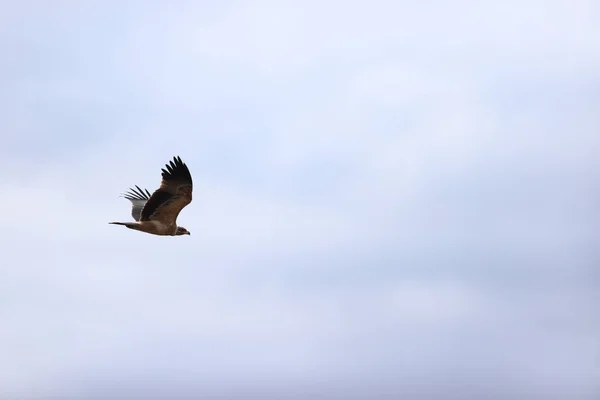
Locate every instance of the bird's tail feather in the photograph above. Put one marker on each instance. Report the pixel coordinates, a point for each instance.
(131, 225)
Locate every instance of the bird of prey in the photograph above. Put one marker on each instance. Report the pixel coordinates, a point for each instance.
(157, 213)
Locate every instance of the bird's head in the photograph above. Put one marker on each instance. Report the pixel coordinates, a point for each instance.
(182, 231)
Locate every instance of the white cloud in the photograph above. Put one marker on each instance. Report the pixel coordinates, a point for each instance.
(278, 38)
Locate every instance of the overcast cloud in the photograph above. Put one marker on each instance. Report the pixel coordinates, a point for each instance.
(391, 199)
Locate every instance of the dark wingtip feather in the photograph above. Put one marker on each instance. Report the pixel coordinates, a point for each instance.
(136, 193)
(176, 170)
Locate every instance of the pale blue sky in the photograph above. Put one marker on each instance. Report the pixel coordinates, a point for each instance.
(391, 199)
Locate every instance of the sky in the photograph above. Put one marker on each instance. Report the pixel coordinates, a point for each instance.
(391, 199)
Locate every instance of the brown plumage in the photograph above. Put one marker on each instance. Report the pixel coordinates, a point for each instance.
(157, 213)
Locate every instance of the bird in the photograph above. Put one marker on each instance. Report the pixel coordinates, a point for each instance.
(157, 213)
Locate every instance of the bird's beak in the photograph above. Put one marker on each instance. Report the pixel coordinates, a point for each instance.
(188, 233)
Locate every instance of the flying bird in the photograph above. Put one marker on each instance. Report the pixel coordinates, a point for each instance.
(157, 213)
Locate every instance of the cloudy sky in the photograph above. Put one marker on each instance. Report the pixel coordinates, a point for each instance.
(391, 199)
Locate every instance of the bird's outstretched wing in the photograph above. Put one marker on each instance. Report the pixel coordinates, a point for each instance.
(175, 192)
(138, 198)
